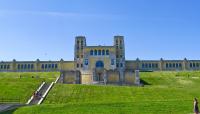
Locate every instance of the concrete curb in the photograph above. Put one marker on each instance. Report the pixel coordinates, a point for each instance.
(45, 94)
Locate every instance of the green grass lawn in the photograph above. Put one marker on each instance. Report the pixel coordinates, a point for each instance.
(14, 89)
(164, 93)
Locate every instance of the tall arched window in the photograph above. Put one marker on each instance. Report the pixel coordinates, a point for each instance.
(112, 62)
(99, 52)
(170, 65)
(18, 66)
(95, 52)
(49, 66)
(107, 52)
(25, 66)
(52, 65)
(46, 66)
(42, 66)
(8, 66)
(32, 66)
(190, 65)
(22, 67)
(99, 64)
(91, 52)
(180, 65)
(143, 65)
(86, 61)
(56, 66)
(167, 65)
(103, 52)
(29, 66)
(146, 65)
(197, 64)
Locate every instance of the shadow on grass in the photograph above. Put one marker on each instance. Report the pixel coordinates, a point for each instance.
(9, 111)
(144, 82)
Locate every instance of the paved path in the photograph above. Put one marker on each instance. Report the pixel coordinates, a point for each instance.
(40, 93)
(6, 107)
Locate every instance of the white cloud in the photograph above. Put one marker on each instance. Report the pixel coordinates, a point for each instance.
(60, 14)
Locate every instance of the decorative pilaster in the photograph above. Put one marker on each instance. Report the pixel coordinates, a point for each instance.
(185, 64)
(137, 64)
(37, 65)
(13, 67)
(161, 64)
(61, 65)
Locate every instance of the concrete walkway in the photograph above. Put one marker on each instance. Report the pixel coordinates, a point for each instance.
(6, 107)
(41, 92)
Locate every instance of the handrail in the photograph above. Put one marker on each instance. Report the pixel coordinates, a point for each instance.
(45, 94)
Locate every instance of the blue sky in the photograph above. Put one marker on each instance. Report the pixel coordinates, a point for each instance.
(45, 29)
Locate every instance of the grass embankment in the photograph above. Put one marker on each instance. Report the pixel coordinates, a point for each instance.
(164, 93)
(18, 87)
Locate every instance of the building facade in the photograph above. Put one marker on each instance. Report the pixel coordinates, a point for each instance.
(95, 64)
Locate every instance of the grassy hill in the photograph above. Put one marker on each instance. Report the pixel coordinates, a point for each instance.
(164, 93)
(18, 87)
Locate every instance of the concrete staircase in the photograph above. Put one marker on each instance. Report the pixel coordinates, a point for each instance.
(41, 92)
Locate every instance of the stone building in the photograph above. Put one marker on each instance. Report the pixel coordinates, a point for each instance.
(99, 64)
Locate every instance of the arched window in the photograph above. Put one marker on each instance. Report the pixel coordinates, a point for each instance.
(46, 66)
(174, 65)
(121, 65)
(42, 66)
(25, 66)
(29, 66)
(153, 65)
(86, 61)
(143, 65)
(5, 66)
(107, 52)
(8, 66)
(170, 65)
(99, 52)
(197, 64)
(194, 65)
(95, 52)
(190, 65)
(146, 65)
(112, 62)
(22, 66)
(18, 66)
(91, 52)
(99, 64)
(167, 65)
(56, 66)
(32, 66)
(49, 66)
(117, 65)
(180, 65)
(103, 52)
(149, 65)
(52, 65)
(156, 65)
(116, 41)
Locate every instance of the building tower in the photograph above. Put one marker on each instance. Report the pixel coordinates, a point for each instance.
(80, 43)
(120, 55)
